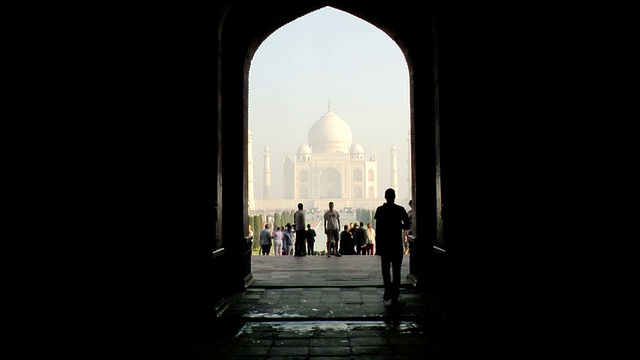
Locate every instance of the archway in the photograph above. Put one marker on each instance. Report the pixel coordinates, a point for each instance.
(323, 183)
(425, 110)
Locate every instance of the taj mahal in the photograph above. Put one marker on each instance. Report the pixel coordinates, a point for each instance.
(331, 167)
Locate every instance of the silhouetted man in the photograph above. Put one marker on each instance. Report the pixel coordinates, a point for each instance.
(360, 239)
(300, 227)
(391, 221)
(332, 229)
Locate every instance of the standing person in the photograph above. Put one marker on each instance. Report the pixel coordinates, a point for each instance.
(371, 240)
(288, 238)
(278, 241)
(265, 239)
(346, 242)
(310, 235)
(331, 229)
(360, 239)
(391, 220)
(299, 225)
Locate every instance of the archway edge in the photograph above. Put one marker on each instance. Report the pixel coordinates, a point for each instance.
(242, 31)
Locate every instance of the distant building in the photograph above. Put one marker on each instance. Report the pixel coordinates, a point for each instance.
(331, 167)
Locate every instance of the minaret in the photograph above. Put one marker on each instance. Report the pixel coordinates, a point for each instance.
(252, 199)
(266, 187)
(394, 168)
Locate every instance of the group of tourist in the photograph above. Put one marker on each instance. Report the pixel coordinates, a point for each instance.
(287, 242)
(392, 227)
(354, 239)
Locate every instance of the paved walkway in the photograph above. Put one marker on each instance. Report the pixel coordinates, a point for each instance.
(320, 271)
(316, 307)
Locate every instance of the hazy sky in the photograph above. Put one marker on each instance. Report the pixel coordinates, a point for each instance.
(329, 56)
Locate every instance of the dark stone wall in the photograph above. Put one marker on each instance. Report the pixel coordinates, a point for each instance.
(115, 143)
(531, 112)
(113, 171)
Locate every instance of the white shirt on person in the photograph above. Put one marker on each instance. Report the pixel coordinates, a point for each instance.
(332, 218)
(278, 235)
(299, 220)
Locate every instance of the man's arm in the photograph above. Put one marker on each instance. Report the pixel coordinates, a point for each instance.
(406, 223)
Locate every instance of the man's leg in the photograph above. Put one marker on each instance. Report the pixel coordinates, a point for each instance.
(396, 264)
(297, 245)
(303, 242)
(331, 241)
(328, 246)
(385, 262)
(337, 237)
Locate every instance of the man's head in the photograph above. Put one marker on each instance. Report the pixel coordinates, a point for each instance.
(300, 206)
(308, 226)
(390, 195)
(330, 205)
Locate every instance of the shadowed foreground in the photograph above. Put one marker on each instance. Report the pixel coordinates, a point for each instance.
(317, 307)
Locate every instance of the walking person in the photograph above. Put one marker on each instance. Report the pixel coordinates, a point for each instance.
(265, 239)
(391, 221)
(310, 236)
(288, 239)
(332, 229)
(371, 240)
(278, 241)
(360, 239)
(299, 225)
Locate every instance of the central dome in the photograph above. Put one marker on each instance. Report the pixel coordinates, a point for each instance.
(330, 134)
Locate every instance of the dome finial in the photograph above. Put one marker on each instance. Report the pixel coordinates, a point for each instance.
(329, 105)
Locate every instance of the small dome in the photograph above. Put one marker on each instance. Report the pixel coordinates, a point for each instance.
(330, 134)
(357, 149)
(304, 149)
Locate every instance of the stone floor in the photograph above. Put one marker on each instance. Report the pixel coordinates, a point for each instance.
(316, 307)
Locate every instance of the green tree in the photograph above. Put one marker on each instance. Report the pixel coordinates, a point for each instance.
(277, 220)
(256, 226)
